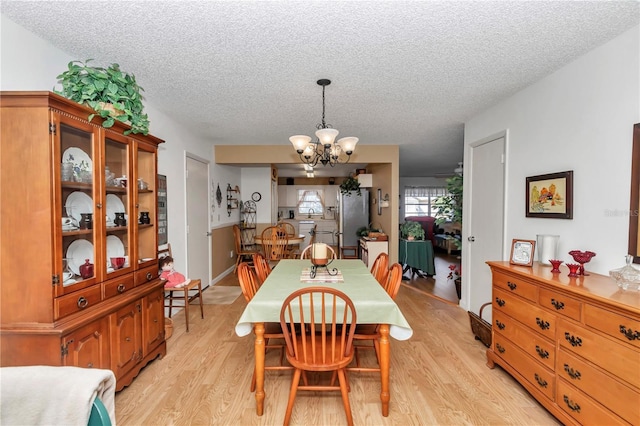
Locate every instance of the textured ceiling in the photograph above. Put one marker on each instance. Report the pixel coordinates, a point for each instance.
(407, 73)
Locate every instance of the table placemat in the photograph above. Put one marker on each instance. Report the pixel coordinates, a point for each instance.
(322, 276)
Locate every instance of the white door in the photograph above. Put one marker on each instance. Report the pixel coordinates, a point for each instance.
(486, 224)
(198, 231)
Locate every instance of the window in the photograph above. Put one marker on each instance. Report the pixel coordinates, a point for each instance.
(310, 201)
(420, 200)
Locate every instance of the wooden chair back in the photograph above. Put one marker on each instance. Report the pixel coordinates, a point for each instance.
(263, 269)
(288, 228)
(248, 281)
(380, 268)
(274, 243)
(237, 238)
(392, 285)
(306, 252)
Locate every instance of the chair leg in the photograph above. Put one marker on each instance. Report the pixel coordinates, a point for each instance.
(186, 307)
(252, 387)
(344, 390)
(292, 396)
(200, 297)
(170, 302)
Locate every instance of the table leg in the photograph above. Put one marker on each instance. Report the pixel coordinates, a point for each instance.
(259, 354)
(385, 355)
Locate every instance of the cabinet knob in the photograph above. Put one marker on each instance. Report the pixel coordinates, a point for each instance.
(90, 365)
(500, 302)
(500, 348)
(82, 302)
(542, 382)
(149, 276)
(121, 288)
(500, 325)
(629, 333)
(572, 405)
(99, 205)
(543, 354)
(511, 285)
(557, 304)
(574, 341)
(544, 325)
(574, 374)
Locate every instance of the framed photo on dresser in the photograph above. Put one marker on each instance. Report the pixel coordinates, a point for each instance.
(522, 252)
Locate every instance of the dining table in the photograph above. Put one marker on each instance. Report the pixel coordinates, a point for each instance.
(291, 240)
(373, 306)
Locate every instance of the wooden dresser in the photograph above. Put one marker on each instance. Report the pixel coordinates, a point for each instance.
(573, 343)
(79, 272)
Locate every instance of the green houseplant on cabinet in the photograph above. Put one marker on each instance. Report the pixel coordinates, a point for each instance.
(112, 93)
(449, 207)
(412, 230)
(350, 184)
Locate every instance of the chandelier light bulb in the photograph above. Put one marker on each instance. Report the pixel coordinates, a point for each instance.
(327, 136)
(300, 142)
(348, 144)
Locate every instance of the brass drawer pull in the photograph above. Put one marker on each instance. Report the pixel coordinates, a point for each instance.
(543, 354)
(542, 382)
(511, 285)
(82, 302)
(574, 374)
(629, 333)
(544, 325)
(500, 325)
(575, 341)
(90, 365)
(149, 276)
(572, 405)
(557, 304)
(500, 348)
(500, 302)
(127, 339)
(121, 288)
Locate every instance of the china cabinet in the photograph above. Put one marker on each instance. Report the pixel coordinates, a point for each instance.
(79, 270)
(573, 343)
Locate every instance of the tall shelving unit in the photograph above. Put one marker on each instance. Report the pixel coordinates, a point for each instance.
(248, 223)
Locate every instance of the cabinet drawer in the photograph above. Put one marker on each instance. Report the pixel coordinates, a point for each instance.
(516, 286)
(620, 360)
(118, 286)
(600, 386)
(147, 274)
(541, 378)
(527, 313)
(561, 304)
(75, 302)
(537, 347)
(615, 325)
(582, 408)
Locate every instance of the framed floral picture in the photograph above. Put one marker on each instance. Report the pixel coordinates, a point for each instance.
(550, 196)
(522, 252)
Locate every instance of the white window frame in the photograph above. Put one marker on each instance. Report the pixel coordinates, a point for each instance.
(428, 196)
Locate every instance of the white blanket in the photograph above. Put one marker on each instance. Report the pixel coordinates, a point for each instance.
(44, 395)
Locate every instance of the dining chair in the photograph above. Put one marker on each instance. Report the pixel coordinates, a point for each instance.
(262, 267)
(289, 228)
(370, 332)
(272, 330)
(331, 316)
(243, 253)
(306, 253)
(295, 254)
(380, 268)
(274, 244)
(185, 294)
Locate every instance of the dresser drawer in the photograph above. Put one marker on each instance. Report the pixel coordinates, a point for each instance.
(564, 305)
(619, 398)
(147, 274)
(527, 313)
(77, 301)
(615, 325)
(535, 373)
(582, 408)
(620, 360)
(516, 286)
(118, 286)
(537, 347)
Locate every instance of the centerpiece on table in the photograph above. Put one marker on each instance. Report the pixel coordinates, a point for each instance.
(320, 259)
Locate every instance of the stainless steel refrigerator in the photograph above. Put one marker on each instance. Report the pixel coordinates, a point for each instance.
(352, 213)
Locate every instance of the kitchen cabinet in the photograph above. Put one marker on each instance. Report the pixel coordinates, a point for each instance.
(369, 250)
(79, 272)
(573, 343)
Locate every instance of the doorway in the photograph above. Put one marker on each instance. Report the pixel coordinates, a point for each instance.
(485, 229)
(198, 231)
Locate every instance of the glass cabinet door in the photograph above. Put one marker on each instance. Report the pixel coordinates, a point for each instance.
(75, 145)
(118, 214)
(146, 204)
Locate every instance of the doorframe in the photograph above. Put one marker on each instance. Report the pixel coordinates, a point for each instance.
(467, 187)
(196, 157)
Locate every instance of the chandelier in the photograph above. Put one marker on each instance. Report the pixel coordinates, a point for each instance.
(323, 149)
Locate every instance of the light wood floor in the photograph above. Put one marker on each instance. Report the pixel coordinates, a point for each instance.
(437, 286)
(438, 377)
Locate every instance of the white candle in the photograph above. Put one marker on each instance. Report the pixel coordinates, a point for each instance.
(547, 248)
(319, 250)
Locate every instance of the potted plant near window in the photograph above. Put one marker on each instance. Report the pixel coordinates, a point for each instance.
(449, 207)
(411, 230)
(112, 93)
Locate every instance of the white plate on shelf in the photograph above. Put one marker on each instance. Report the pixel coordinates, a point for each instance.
(114, 205)
(79, 158)
(78, 202)
(77, 253)
(115, 248)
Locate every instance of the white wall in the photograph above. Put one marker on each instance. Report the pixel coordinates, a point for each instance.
(579, 118)
(258, 179)
(34, 64)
